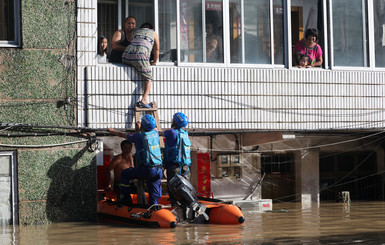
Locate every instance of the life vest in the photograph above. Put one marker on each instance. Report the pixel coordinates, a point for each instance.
(150, 154)
(180, 152)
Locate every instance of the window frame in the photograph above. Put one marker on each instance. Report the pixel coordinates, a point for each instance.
(14, 185)
(372, 45)
(327, 21)
(369, 15)
(16, 42)
(226, 40)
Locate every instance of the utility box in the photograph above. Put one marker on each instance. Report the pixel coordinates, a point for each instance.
(224, 161)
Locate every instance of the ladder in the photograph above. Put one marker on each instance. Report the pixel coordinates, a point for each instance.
(139, 112)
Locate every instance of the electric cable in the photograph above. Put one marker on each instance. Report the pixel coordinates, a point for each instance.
(44, 146)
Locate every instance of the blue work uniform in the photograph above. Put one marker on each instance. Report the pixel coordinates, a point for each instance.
(149, 165)
(177, 156)
(177, 148)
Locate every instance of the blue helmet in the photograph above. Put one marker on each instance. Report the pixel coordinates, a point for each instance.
(180, 119)
(148, 122)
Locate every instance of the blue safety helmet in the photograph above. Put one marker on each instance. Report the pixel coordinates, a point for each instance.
(148, 122)
(180, 119)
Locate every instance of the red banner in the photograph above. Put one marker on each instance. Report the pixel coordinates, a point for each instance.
(102, 173)
(204, 178)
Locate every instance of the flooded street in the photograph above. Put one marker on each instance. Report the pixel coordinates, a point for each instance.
(331, 223)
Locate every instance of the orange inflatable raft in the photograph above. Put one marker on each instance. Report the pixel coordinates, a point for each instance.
(142, 215)
(219, 212)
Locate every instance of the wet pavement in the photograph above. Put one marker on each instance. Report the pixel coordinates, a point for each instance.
(288, 223)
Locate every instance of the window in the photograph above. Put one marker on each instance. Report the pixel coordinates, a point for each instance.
(8, 187)
(257, 32)
(201, 31)
(349, 32)
(112, 13)
(379, 31)
(167, 31)
(191, 31)
(252, 32)
(9, 23)
(279, 32)
(282, 164)
(252, 44)
(214, 31)
(307, 15)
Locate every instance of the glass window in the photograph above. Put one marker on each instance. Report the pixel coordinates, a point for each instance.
(279, 33)
(214, 31)
(257, 32)
(350, 39)
(9, 22)
(251, 43)
(167, 30)
(201, 43)
(5, 165)
(110, 10)
(6, 191)
(191, 32)
(235, 31)
(379, 31)
(142, 10)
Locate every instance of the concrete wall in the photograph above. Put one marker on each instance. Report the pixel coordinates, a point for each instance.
(56, 183)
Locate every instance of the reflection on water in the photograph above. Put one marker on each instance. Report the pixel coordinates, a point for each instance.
(362, 222)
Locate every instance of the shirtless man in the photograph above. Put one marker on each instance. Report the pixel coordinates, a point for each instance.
(121, 39)
(118, 164)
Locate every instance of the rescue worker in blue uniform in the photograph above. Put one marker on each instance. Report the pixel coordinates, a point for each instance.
(177, 159)
(176, 154)
(149, 161)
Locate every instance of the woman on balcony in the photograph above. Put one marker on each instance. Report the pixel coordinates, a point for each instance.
(308, 46)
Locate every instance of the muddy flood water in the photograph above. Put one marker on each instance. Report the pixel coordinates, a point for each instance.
(289, 223)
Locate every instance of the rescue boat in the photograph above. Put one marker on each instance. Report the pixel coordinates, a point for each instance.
(136, 214)
(219, 212)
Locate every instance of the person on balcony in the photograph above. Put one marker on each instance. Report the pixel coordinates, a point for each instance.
(121, 39)
(214, 53)
(138, 53)
(102, 49)
(309, 46)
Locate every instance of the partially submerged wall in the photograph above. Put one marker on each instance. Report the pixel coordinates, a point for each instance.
(37, 86)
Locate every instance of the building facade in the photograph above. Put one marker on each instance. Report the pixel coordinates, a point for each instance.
(314, 131)
(260, 125)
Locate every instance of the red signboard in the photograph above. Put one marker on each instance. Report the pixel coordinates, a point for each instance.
(204, 178)
(214, 6)
(102, 172)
